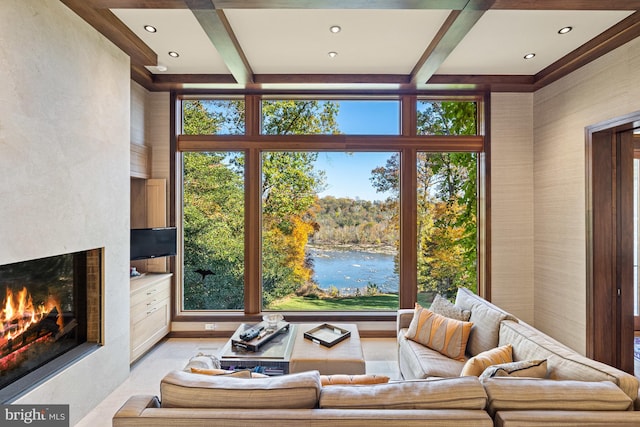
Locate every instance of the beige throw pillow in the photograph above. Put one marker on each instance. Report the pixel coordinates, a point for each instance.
(444, 307)
(442, 334)
(523, 368)
(477, 364)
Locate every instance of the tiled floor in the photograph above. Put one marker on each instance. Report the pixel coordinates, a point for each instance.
(380, 355)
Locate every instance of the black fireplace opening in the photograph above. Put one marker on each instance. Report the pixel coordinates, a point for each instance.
(50, 306)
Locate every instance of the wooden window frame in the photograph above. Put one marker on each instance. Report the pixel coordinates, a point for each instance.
(408, 144)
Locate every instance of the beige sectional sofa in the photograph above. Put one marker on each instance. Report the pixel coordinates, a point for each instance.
(571, 394)
(299, 399)
(574, 390)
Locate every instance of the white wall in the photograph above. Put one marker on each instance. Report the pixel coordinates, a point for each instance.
(604, 89)
(64, 171)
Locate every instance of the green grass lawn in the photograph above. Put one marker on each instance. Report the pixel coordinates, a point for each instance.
(374, 302)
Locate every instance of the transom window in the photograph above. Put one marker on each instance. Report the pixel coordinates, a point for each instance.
(326, 205)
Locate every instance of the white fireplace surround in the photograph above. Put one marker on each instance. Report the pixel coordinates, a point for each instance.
(64, 172)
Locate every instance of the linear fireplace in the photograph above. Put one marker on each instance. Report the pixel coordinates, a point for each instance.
(50, 316)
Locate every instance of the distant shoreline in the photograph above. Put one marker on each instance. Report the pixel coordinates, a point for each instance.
(374, 249)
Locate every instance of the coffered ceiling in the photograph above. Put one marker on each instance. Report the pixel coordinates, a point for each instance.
(381, 45)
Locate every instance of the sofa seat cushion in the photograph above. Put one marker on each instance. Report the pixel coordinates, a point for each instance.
(441, 393)
(567, 418)
(443, 334)
(562, 362)
(486, 319)
(417, 361)
(511, 393)
(186, 390)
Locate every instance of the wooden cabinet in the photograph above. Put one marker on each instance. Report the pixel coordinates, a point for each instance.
(150, 311)
(149, 209)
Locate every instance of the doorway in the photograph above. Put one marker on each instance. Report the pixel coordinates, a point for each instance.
(611, 241)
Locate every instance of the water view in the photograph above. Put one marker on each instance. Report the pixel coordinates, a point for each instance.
(353, 271)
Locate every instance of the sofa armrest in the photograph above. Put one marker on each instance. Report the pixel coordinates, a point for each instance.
(136, 405)
(404, 318)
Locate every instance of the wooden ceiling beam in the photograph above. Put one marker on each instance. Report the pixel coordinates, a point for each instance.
(112, 28)
(493, 83)
(567, 4)
(341, 4)
(137, 4)
(455, 28)
(285, 4)
(215, 24)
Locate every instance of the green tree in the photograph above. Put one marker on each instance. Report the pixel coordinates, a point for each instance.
(446, 200)
(290, 186)
(213, 227)
(214, 203)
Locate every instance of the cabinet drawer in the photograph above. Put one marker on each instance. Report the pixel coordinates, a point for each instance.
(146, 308)
(146, 332)
(156, 291)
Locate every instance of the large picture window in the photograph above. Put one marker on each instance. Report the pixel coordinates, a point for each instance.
(340, 212)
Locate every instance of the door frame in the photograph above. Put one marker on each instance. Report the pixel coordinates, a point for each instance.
(609, 314)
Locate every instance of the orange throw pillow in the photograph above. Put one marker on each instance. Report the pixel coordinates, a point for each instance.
(442, 334)
(496, 356)
(326, 380)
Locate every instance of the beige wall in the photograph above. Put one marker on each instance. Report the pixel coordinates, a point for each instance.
(64, 171)
(512, 203)
(604, 89)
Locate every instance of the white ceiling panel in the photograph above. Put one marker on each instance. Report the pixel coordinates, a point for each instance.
(498, 42)
(295, 41)
(178, 31)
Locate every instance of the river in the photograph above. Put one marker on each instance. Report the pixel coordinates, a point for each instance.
(351, 270)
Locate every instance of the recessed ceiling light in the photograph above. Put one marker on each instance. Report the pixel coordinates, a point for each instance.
(564, 30)
(173, 54)
(335, 28)
(150, 28)
(529, 56)
(333, 54)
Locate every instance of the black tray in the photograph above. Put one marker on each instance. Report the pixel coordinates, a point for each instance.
(327, 335)
(257, 343)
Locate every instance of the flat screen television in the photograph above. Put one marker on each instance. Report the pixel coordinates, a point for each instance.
(152, 242)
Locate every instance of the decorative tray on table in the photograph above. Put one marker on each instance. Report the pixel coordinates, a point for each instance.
(252, 338)
(327, 335)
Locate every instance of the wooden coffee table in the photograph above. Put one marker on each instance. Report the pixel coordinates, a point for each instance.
(292, 352)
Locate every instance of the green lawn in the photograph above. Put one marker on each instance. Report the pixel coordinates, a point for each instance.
(375, 302)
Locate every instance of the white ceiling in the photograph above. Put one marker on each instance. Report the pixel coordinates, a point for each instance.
(500, 39)
(297, 41)
(178, 31)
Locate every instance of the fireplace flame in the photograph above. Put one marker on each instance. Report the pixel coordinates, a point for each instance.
(19, 312)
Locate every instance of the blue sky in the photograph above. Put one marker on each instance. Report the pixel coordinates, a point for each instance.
(348, 174)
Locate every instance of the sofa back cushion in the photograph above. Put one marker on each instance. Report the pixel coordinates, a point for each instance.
(186, 390)
(563, 363)
(511, 393)
(486, 319)
(445, 393)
